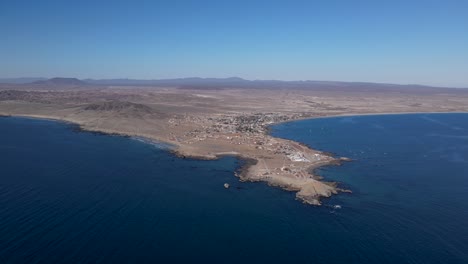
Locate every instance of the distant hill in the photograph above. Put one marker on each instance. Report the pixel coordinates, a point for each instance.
(192, 81)
(21, 80)
(236, 82)
(224, 83)
(61, 81)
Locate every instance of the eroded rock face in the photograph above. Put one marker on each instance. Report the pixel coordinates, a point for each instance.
(312, 191)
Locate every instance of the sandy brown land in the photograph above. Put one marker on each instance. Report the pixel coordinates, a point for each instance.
(206, 123)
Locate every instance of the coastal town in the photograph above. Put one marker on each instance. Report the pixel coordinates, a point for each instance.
(280, 162)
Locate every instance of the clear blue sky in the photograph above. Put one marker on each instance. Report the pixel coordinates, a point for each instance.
(421, 41)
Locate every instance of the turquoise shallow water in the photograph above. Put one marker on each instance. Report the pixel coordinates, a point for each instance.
(79, 197)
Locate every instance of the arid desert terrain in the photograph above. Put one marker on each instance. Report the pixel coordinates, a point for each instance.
(226, 118)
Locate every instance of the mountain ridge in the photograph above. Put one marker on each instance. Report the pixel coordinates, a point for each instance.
(61, 81)
(199, 82)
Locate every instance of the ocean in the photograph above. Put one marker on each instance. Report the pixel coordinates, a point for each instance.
(68, 196)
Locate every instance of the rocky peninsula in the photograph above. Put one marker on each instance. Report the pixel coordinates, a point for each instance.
(208, 123)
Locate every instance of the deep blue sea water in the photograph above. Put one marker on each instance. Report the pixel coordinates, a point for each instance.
(80, 197)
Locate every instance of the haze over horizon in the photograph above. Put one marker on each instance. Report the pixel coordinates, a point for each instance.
(422, 42)
(195, 80)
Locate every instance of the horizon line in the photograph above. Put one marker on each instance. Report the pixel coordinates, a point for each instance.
(238, 78)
